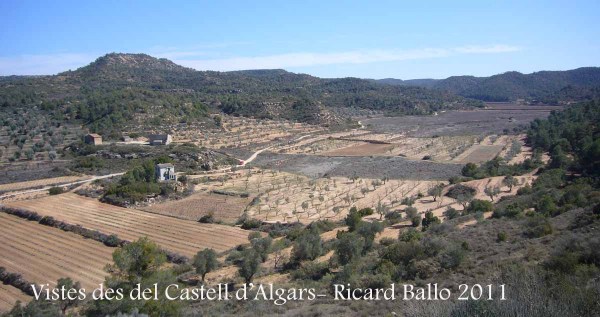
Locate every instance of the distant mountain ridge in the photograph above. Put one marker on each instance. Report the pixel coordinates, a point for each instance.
(544, 86)
(118, 89)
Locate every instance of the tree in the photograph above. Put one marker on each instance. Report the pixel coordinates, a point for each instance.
(262, 246)
(382, 209)
(469, 170)
(410, 235)
(349, 247)
(465, 199)
(353, 219)
(429, 220)
(436, 191)
(368, 230)
(411, 212)
(492, 191)
(66, 303)
(136, 260)
(308, 246)
(415, 220)
(510, 181)
(478, 205)
(205, 261)
(249, 264)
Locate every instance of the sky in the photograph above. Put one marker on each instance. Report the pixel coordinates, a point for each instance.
(326, 38)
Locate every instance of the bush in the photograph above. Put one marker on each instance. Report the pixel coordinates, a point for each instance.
(207, 218)
(452, 258)
(393, 217)
(451, 213)
(415, 221)
(511, 211)
(429, 220)
(410, 235)
(251, 223)
(501, 237)
(537, 227)
(55, 191)
(308, 246)
(386, 241)
(349, 247)
(311, 271)
(113, 241)
(478, 205)
(457, 190)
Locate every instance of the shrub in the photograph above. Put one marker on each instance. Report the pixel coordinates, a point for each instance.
(207, 218)
(537, 227)
(308, 246)
(525, 190)
(55, 191)
(457, 190)
(410, 235)
(452, 257)
(429, 220)
(393, 217)
(386, 241)
(478, 205)
(415, 221)
(311, 271)
(113, 241)
(349, 247)
(451, 213)
(512, 210)
(251, 223)
(501, 237)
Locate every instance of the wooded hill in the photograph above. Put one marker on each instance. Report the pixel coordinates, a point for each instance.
(120, 88)
(551, 87)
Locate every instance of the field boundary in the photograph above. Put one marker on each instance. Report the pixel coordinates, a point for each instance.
(16, 280)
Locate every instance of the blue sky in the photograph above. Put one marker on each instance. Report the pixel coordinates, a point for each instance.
(369, 39)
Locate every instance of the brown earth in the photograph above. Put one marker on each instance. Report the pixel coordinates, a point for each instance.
(182, 236)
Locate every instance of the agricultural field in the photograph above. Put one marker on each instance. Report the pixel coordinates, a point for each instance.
(176, 235)
(40, 183)
(223, 208)
(51, 253)
(393, 167)
(9, 295)
(493, 119)
(31, 136)
(240, 132)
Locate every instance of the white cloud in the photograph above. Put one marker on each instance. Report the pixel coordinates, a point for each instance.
(43, 64)
(292, 60)
(52, 64)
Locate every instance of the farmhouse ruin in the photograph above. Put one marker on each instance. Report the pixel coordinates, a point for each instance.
(160, 139)
(92, 138)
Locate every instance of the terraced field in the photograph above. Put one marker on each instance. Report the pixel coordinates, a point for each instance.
(9, 296)
(222, 207)
(182, 236)
(44, 254)
(40, 183)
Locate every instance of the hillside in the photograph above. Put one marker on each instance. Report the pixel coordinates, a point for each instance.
(552, 87)
(121, 89)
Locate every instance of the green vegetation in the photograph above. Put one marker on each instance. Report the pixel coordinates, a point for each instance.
(204, 262)
(136, 90)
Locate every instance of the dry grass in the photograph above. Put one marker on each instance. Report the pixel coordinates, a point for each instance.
(44, 254)
(40, 183)
(182, 236)
(223, 207)
(9, 296)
